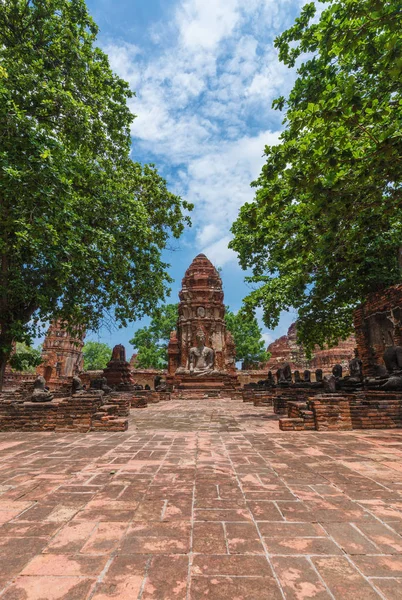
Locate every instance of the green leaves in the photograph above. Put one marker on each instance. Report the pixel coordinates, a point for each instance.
(96, 355)
(324, 228)
(82, 225)
(247, 337)
(151, 342)
(25, 358)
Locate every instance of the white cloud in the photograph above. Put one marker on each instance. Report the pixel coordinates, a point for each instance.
(207, 234)
(219, 253)
(204, 104)
(268, 338)
(204, 23)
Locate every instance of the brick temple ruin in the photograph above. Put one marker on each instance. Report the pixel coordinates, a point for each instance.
(287, 350)
(369, 396)
(202, 355)
(305, 395)
(61, 355)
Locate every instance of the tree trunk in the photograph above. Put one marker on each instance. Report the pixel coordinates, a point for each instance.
(3, 363)
(400, 261)
(6, 344)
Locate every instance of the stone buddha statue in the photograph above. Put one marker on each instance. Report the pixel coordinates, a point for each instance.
(201, 358)
(355, 368)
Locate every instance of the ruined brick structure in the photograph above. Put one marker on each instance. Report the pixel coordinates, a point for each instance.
(286, 350)
(118, 371)
(201, 309)
(61, 354)
(343, 412)
(81, 412)
(145, 376)
(378, 324)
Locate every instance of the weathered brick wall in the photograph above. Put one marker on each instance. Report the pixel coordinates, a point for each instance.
(335, 412)
(378, 323)
(376, 410)
(286, 395)
(258, 396)
(13, 379)
(245, 377)
(146, 376)
(148, 395)
(122, 401)
(278, 397)
(331, 413)
(82, 412)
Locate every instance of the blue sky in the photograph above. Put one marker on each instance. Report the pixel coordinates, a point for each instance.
(205, 73)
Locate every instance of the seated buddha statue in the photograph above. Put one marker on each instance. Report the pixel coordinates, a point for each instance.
(201, 358)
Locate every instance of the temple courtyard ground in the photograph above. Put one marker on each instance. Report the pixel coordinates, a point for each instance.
(201, 500)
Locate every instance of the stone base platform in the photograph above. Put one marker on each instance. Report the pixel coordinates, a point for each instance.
(216, 386)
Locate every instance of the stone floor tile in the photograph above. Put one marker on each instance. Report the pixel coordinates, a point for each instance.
(71, 537)
(379, 565)
(65, 565)
(49, 588)
(166, 578)
(105, 538)
(125, 502)
(121, 516)
(302, 545)
(264, 511)
(298, 579)
(222, 515)
(239, 588)
(38, 512)
(124, 578)
(241, 566)
(343, 580)
(386, 540)
(30, 529)
(218, 503)
(209, 538)
(350, 539)
(16, 552)
(289, 529)
(157, 538)
(243, 538)
(390, 588)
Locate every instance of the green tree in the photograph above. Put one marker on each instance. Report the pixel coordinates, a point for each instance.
(151, 342)
(325, 227)
(82, 225)
(247, 337)
(96, 355)
(25, 358)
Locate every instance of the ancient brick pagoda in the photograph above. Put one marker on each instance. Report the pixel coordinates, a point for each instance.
(118, 371)
(286, 350)
(61, 355)
(201, 351)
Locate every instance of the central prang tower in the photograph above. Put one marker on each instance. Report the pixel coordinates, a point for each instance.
(201, 309)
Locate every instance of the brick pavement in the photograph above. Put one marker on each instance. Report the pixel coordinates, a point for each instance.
(201, 500)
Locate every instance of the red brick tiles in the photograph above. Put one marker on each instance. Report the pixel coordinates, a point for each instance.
(201, 500)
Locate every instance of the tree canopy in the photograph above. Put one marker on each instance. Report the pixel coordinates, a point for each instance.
(82, 225)
(25, 358)
(247, 335)
(96, 355)
(152, 342)
(325, 227)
